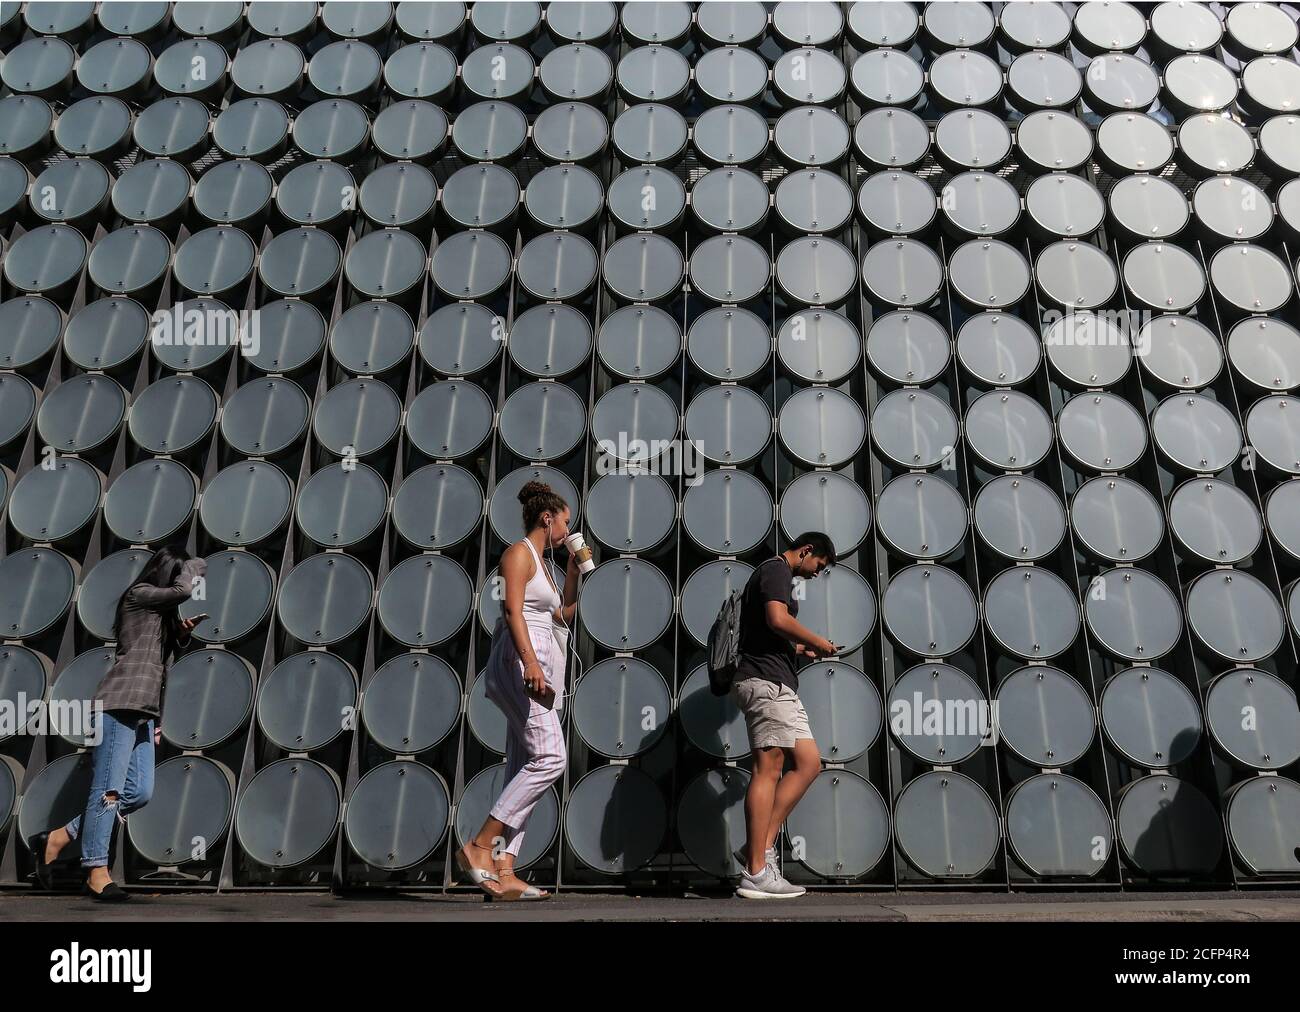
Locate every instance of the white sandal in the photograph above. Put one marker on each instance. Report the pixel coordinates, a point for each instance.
(530, 892)
(478, 876)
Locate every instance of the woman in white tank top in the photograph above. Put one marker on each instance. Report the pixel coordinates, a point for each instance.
(525, 678)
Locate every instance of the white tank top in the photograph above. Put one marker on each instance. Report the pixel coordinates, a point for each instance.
(541, 596)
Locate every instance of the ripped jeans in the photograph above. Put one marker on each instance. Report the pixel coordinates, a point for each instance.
(123, 764)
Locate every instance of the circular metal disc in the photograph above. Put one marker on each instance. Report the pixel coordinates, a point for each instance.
(886, 77)
(1116, 520)
(103, 587)
(55, 504)
(921, 517)
(822, 426)
(724, 343)
(415, 130)
(843, 603)
(1134, 142)
(1236, 616)
(1215, 521)
(38, 65)
(980, 203)
(359, 417)
(214, 261)
(95, 126)
(703, 594)
(421, 70)
(902, 272)
(615, 819)
(845, 824)
(333, 128)
(265, 416)
(729, 200)
(632, 511)
(582, 22)
(288, 813)
(667, 23)
(1252, 716)
(914, 429)
(32, 326)
(1262, 819)
(989, 273)
(270, 67)
(732, 425)
(490, 132)
(1132, 614)
(731, 74)
(436, 507)
(130, 260)
(813, 201)
(551, 340)
(1278, 139)
(470, 265)
(727, 135)
(240, 589)
(251, 128)
(732, 24)
(246, 503)
(1181, 351)
(504, 510)
(1118, 82)
(928, 689)
(478, 798)
(729, 512)
(341, 504)
(54, 797)
(26, 122)
(451, 340)
(1019, 517)
(114, 66)
(1054, 824)
(207, 18)
(173, 415)
(17, 407)
(965, 77)
(150, 501)
(557, 266)
(1199, 82)
(813, 270)
(1197, 433)
(1168, 827)
(821, 346)
(1031, 612)
(480, 196)
(411, 704)
(1054, 141)
(1102, 431)
(896, 203)
(1045, 716)
(1282, 513)
(713, 724)
(607, 609)
(829, 502)
(1008, 430)
(1163, 277)
(891, 138)
(1077, 275)
(397, 195)
(73, 693)
(1211, 143)
(653, 74)
(883, 24)
(193, 799)
(972, 139)
(397, 815)
(946, 826)
(647, 198)
(621, 707)
(810, 135)
(643, 268)
(542, 421)
(909, 348)
(37, 589)
(1043, 80)
(1250, 278)
(711, 819)
(372, 338)
(23, 677)
(564, 196)
(299, 703)
(844, 709)
(81, 414)
(997, 349)
(425, 601)
(1189, 27)
(642, 342)
(1271, 84)
(45, 259)
(929, 611)
(649, 134)
(301, 262)
(209, 698)
(1088, 350)
(150, 190)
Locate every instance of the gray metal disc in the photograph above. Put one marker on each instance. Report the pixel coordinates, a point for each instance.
(1088, 350)
(813, 201)
(303, 702)
(1134, 142)
(649, 134)
(980, 204)
(1235, 616)
(705, 590)
(631, 511)
(477, 800)
(54, 504)
(552, 340)
(946, 825)
(731, 74)
(1065, 206)
(621, 707)
(713, 724)
(891, 138)
(1226, 207)
(114, 66)
(813, 270)
(38, 66)
(822, 426)
(542, 421)
(209, 698)
(1116, 520)
(103, 586)
(411, 704)
(255, 128)
(1270, 84)
(45, 259)
(808, 77)
(728, 513)
(265, 416)
(154, 189)
(357, 20)
(810, 135)
(1251, 714)
(1210, 143)
(26, 121)
(998, 349)
(479, 196)
(151, 501)
(615, 819)
(207, 18)
(431, 20)
(130, 260)
(1197, 433)
(73, 692)
(647, 198)
(634, 423)
(963, 77)
(272, 67)
(711, 820)
(82, 413)
(1215, 521)
(341, 505)
(972, 139)
(436, 507)
(1132, 614)
(23, 677)
(32, 326)
(1043, 80)
(452, 339)
(989, 273)
(653, 74)
(886, 77)
(642, 342)
(240, 588)
(1031, 613)
(301, 262)
(214, 261)
(467, 265)
(914, 429)
(288, 813)
(1102, 431)
(425, 601)
(1163, 277)
(397, 815)
(1120, 82)
(281, 20)
(590, 22)
(412, 129)
(729, 199)
(570, 132)
(358, 417)
(1054, 141)
(557, 266)
(334, 128)
(372, 338)
(1250, 278)
(312, 193)
(724, 343)
(1263, 816)
(1266, 352)
(1282, 516)
(173, 415)
(1055, 824)
(883, 24)
(902, 272)
(921, 517)
(931, 689)
(345, 69)
(830, 502)
(1278, 140)
(844, 709)
(820, 346)
(193, 800)
(1076, 275)
(843, 826)
(1168, 827)
(325, 599)
(732, 425)
(625, 604)
(1008, 430)
(1019, 517)
(504, 511)
(929, 611)
(1181, 351)
(730, 135)
(17, 408)
(1150, 717)
(842, 603)
(1045, 716)
(564, 196)
(666, 23)
(490, 132)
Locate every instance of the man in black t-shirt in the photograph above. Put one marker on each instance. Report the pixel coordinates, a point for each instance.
(765, 688)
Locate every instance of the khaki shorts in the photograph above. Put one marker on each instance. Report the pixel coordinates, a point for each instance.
(774, 714)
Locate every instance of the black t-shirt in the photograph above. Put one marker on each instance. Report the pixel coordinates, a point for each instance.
(764, 653)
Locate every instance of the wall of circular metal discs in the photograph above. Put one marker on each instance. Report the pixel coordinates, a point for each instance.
(1001, 298)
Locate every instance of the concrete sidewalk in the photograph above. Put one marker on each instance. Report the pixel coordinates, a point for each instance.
(950, 907)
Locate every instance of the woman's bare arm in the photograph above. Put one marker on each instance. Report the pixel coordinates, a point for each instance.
(515, 567)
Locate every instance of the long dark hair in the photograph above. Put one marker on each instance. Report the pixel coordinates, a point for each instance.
(160, 571)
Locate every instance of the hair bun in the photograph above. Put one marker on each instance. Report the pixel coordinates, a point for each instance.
(533, 488)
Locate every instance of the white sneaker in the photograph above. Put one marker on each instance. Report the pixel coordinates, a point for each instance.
(767, 885)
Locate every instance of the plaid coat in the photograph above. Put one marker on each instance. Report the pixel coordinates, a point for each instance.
(146, 644)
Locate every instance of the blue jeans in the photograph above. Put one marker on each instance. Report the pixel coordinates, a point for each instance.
(123, 764)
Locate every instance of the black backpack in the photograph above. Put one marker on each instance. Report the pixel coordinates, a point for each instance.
(724, 644)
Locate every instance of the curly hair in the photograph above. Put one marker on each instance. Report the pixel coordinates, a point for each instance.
(537, 497)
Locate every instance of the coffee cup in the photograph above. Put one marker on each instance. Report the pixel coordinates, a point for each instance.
(579, 548)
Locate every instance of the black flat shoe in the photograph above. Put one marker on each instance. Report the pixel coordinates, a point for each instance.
(111, 893)
(37, 844)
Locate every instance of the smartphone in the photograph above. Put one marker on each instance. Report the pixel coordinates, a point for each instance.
(196, 619)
